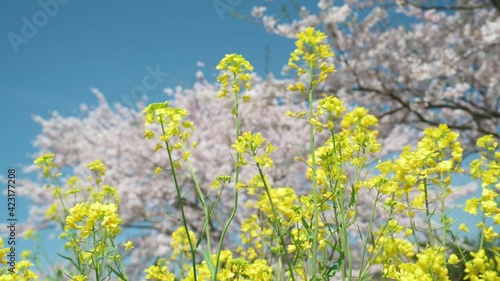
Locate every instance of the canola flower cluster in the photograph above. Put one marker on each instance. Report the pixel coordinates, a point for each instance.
(24, 268)
(249, 143)
(313, 51)
(238, 68)
(292, 236)
(90, 226)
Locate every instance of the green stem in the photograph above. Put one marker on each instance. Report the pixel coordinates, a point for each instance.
(278, 227)
(382, 231)
(223, 235)
(428, 214)
(443, 218)
(343, 236)
(96, 270)
(481, 231)
(368, 231)
(181, 204)
(340, 210)
(235, 207)
(58, 193)
(412, 222)
(206, 208)
(313, 167)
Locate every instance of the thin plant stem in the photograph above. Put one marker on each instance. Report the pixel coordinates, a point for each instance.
(58, 193)
(181, 204)
(427, 213)
(235, 207)
(443, 218)
(278, 228)
(412, 222)
(96, 270)
(314, 182)
(368, 231)
(206, 208)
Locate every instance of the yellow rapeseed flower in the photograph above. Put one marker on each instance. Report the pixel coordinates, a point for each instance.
(463, 227)
(238, 67)
(98, 167)
(453, 259)
(490, 234)
(487, 142)
(128, 245)
(313, 51)
(158, 170)
(45, 162)
(180, 242)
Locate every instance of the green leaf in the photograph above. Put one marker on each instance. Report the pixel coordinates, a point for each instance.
(334, 268)
(117, 273)
(69, 259)
(304, 222)
(353, 196)
(208, 259)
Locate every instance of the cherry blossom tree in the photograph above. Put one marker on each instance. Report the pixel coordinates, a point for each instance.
(115, 135)
(413, 63)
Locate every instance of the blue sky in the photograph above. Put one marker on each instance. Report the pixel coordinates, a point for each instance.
(110, 45)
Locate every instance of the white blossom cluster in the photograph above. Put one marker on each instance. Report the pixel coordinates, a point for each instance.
(416, 63)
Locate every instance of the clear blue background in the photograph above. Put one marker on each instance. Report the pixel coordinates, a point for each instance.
(108, 45)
